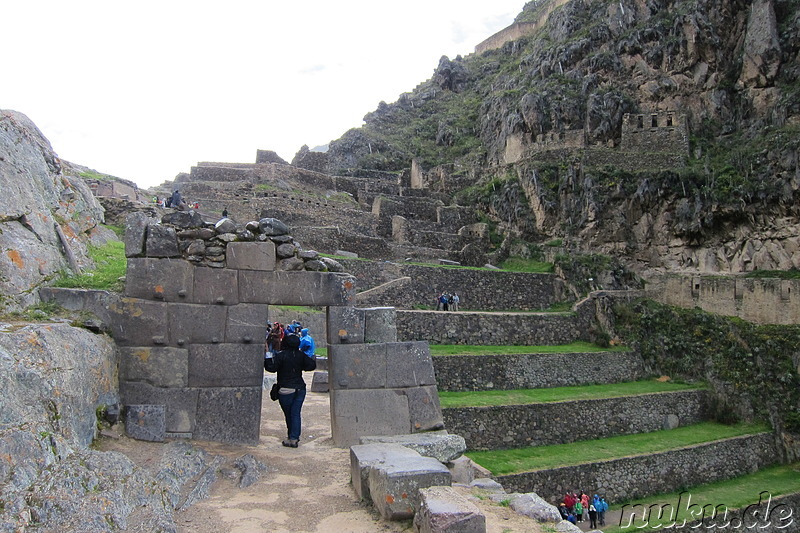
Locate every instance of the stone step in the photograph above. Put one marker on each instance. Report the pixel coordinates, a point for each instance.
(638, 476)
(493, 328)
(541, 424)
(530, 371)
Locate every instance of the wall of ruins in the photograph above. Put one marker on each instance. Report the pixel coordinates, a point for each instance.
(477, 289)
(655, 132)
(762, 301)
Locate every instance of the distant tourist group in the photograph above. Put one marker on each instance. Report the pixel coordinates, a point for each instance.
(175, 201)
(447, 302)
(576, 509)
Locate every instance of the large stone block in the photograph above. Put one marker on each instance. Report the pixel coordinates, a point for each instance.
(443, 510)
(145, 422)
(319, 383)
(440, 445)
(170, 280)
(160, 366)
(355, 413)
(409, 364)
(251, 255)
(394, 488)
(296, 288)
(379, 324)
(216, 286)
(229, 415)
(346, 325)
(181, 404)
(424, 410)
(363, 457)
(357, 366)
(226, 365)
(197, 324)
(161, 241)
(136, 322)
(247, 323)
(135, 233)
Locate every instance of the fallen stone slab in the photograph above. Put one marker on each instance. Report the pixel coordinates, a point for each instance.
(319, 381)
(437, 444)
(363, 457)
(532, 506)
(488, 484)
(443, 510)
(394, 487)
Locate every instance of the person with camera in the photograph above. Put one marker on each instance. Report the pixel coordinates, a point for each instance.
(290, 363)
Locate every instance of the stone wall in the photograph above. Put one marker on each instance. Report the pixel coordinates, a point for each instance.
(497, 329)
(767, 514)
(658, 131)
(518, 426)
(633, 161)
(478, 289)
(406, 231)
(643, 475)
(763, 301)
(532, 371)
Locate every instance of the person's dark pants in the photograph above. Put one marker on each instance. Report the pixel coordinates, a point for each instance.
(602, 516)
(292, 404)
(592, 519)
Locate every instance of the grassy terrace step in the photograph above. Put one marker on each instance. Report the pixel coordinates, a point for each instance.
(637, 466)
(503, 462)
(497, 420)
(736, 493)
(573, 347)
(559, 394)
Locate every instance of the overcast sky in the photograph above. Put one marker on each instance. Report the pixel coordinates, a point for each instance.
(144, 90)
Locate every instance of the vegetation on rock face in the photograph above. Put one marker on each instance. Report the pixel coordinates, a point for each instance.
(110, 268)
(752, 369)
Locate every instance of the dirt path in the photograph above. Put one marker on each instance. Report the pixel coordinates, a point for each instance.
(307, 489)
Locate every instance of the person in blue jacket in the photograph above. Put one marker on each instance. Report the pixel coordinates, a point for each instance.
(307, 344)
(290, 363)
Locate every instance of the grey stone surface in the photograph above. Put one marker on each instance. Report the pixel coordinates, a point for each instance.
(272, 227)
(291, 264)
(671, 421)
(394, 487)
(437, 444)
(379, 324)
(251, 255)
(137, 322)
(247, 323)
(145, 422)
(231, 414)
(197, 324)
(357, 366)
(332, 264)
(365, 456)
(135, 233)
(285, 250)
(225, 226)
(565, 526)
(315, 265)
(425, 414)
(183, 219)
(216, 286)
(532, 506)
(409, 364)
(296, 288)
(486, 483)
(443, 510)
(169, 280)
(181, 404)
(355, 413)
(251, 468)
(226, 365)
(161, 241)
(319, 381)
(160, 366)
(346, 325)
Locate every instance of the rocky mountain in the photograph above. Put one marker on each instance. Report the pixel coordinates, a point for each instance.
(665, 132)
(48, 215)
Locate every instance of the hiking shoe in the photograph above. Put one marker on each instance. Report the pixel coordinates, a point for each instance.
(290, 443)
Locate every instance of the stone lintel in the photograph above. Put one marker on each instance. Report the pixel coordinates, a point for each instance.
(296, 288)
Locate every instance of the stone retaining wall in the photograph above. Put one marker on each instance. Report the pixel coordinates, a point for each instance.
(478, 289)
(531, 371)
(498, 329)
(643, 475)
(518, 426)
(768, 515)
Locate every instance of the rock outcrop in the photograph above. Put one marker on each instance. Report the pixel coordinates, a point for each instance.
(45, 215)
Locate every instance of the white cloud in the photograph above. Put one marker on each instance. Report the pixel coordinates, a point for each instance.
(145, 90)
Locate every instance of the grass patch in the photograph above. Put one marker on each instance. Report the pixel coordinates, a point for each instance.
(37, 312)
(297, 308)
(519, 264)
(557, 394)
(503, 462)
(735, 493)
(110, 265)
(573, 347)
(792, 273)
